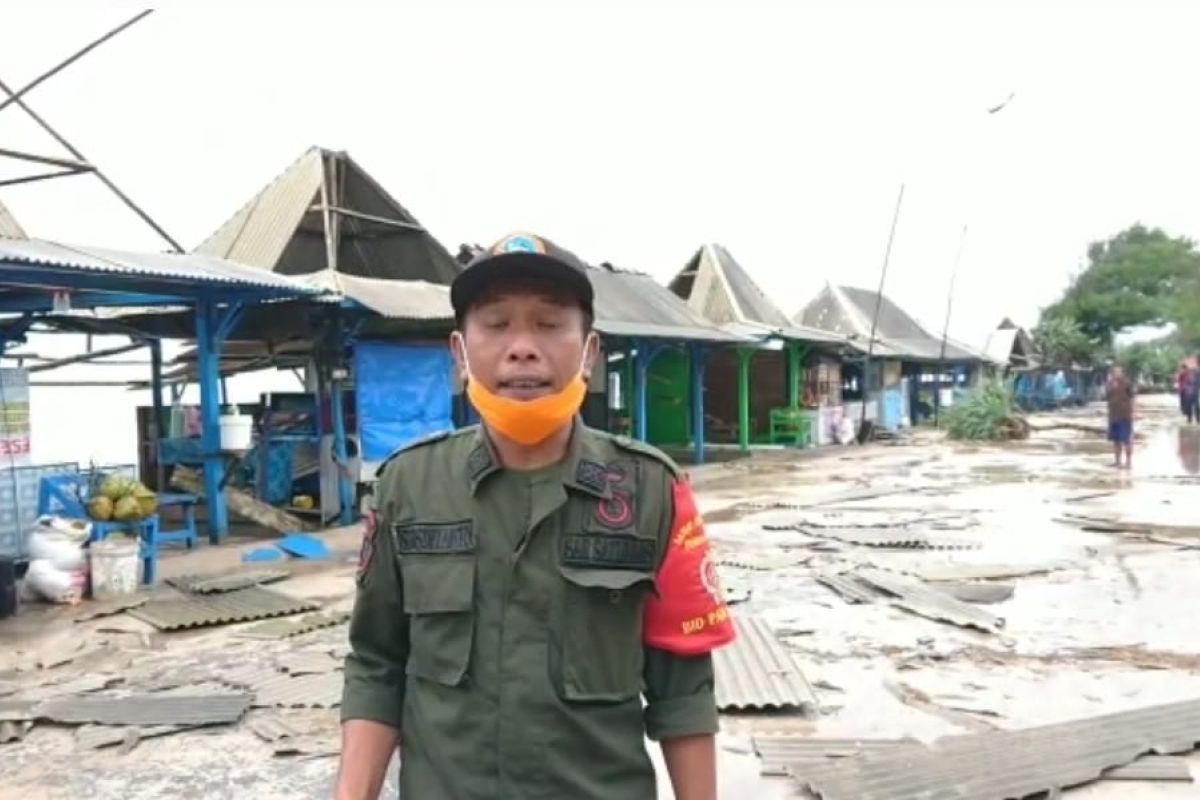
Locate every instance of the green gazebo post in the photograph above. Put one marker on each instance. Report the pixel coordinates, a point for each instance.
(744, 356)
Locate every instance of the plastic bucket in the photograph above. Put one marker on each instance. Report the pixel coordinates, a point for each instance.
(114, 568)
(237, 432)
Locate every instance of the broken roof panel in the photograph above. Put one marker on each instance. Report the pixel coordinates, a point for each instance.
(283, 227)
(243, 605)
(147, 709)
(756, 672)
(221, 582)
(914, 595)
(999, 765)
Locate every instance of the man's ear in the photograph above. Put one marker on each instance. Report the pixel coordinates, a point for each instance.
(458, 351)
(591, 354)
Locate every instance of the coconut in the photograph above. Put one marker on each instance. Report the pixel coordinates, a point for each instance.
(100, 508)
(127, 509)
(115, 487)
(147, 500)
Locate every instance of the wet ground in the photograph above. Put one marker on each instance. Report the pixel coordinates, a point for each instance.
(1097, 621)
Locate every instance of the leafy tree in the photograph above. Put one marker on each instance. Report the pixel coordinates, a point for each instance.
(1141, 276)
(1062, 342)
(1151, 362)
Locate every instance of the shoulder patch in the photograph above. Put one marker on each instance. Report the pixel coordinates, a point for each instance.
(641, 448)
(413, 445)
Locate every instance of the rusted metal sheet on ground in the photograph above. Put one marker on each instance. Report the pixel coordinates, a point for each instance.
(844, 583)
(914, 595)
(322, 690)
(756, 672)
(999, 765)
(786, 753)
(147, 709)
(243, 605)
(215, 584)
(286, 628)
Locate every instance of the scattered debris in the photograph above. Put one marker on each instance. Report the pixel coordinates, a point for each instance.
(1152, 768)
(271, 728)
(852, 590)
(790, 754)
(14, 731)
(240, 502)
(315, 691)
(982, 593)
(884, 538)
(110, 607)
(309, 663)
(1118, 524)
(983, 572)
(1020, 763)
(915, 698)
(146, 709)
(97, 737)
(763, 560)
(756, 672)
(308, 747)
(243, 605)
(285, 628)
(914, 595)
(212, 584)
(736, 594)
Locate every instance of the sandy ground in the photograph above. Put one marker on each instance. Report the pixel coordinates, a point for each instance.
(1098, 622)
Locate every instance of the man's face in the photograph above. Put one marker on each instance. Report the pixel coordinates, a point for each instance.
(1117, 373)
(524, 342)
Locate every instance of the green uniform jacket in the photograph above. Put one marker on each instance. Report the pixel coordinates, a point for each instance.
(498, 623)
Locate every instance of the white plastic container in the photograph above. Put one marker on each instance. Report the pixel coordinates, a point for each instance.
(114, 568)
(237, 432)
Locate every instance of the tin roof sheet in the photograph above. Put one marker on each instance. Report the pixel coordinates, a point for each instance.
(147, 709)
(243, 605)
(322, 690)
(998, 765)
(912, 594)
(225, 582)
(285, 628)
(785, 754)
(169, 268)
(756, 672)
(271, 727)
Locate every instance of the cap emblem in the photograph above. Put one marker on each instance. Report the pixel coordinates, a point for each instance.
(520, 243)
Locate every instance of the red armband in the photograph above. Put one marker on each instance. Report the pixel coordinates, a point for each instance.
(688, 616)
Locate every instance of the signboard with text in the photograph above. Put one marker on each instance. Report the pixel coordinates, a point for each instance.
(14, 417)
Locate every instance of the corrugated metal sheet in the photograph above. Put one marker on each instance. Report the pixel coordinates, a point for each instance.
(285, 628)
(147, 709)
(914, 595)
(1000, 765)
(845, 584)
(756, 672)
(96, 737)
(633, 304)
(260, 230)
(107, 608)
(271, 727)
(979, 592)
(795, 755)
(1152, 768)
(309, 663)
(171, 267)
(398, 299)
(243, 605)
(219, 583)
(788, 754)
(899, 538)
(322, 690)
(9, 227)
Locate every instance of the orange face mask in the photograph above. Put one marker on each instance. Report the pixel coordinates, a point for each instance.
(527, 422)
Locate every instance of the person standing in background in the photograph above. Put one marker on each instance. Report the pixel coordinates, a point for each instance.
(1191, 390)
(1118, 391)
(1181, 375)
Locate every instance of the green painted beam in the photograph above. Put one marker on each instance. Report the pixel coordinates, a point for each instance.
(744, 356)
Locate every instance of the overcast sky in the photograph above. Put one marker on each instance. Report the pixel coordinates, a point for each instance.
(634, 137)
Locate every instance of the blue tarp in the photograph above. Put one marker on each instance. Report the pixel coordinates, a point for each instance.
(402, 394)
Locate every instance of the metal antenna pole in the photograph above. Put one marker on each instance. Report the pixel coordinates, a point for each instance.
(887, 255)
(50, 73)
(941, 364)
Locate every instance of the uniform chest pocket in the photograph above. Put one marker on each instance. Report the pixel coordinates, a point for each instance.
(439, 600)
(602, 655)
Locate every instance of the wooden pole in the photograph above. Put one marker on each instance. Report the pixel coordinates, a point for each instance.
(887, 255)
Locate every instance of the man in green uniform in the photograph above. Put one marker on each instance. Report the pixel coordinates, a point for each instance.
(527, 583)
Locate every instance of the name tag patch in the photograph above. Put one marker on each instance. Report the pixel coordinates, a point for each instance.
(434, 538)
(600, 550)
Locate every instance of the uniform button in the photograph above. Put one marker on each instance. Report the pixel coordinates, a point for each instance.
(614, 596)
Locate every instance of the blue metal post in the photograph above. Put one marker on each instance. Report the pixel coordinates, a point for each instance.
(641, 366)
(208, 373)
(696, 353)
(337, 411)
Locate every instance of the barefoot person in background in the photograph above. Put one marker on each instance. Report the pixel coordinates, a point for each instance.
(1118, 391)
